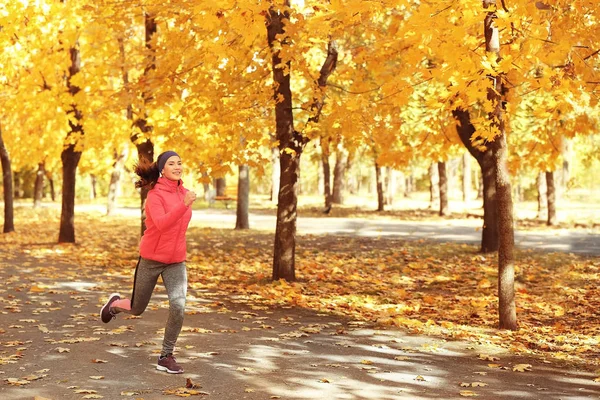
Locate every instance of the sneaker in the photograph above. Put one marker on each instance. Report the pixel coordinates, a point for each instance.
(106, 313)
(169, 364)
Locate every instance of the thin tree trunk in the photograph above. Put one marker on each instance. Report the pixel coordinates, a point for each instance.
(348, 180)
(551, 195)
(466, 186)
(339, 176)
(434, 194)
(276, 175)
(541, 195)
(220, 186)
(142, 137)
(485, 159)
(291, 142)
(444, 209)
(115, 180)
(18, 191)
(70, 158)
(379, 185)
(390, 185)
(7, 184)
(506, 268)
(38, 188)
(243, 198)
(93, 182)
(326, 174)
(386, 187)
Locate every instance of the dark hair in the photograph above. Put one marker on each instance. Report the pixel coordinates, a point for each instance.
(148, 173)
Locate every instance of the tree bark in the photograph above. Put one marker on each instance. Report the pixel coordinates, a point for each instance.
(70, 157)
(18, 190)
(115, 180)
(390, 185)
(506, 269)
(93, 183)
(444, 210)
(339, 176)
(7, 184)
(551, 195)
(243, 198)
(326, 174)
(142, 137)
(466, 181)
(541, 195)
(379, 185)
(276, 175)
(485, 159)
(38, 189)
(220, 186)
(291, 142)
(434, 194)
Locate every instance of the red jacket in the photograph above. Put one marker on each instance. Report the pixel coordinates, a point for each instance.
(167, 219)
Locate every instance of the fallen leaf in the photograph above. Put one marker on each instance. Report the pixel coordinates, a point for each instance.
(467, 393)
(97, 378)
(522, 367)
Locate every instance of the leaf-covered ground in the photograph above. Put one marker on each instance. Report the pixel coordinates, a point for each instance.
(446, 290)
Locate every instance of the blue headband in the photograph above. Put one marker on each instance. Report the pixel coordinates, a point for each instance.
(163, 157)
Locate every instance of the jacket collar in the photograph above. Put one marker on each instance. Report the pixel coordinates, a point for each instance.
(169, 185)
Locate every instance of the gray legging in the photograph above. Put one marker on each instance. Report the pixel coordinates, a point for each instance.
(175, 280)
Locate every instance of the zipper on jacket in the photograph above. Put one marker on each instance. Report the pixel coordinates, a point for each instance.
(178, 228)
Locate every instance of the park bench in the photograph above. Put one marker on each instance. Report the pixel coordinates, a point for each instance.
(229, 195)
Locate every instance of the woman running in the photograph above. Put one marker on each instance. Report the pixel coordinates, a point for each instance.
(162, 251)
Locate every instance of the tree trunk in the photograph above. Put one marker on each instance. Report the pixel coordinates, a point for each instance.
(70, 158)
(93, 182)
(390, 185)
(243, 198)
(348, 180)
(276, 175)
(220, 186)
(291, 142)
(466, 181)
(115, 180)
(290, 151)
(551, 195)
(38, 188)
(379, 185)
(434, 194)
(7, 184)
(506, 239)
(444, 210)
(18, 190)
(485, 159)
(142, 137)
(326, 174)
(541, 195)
(339, 176)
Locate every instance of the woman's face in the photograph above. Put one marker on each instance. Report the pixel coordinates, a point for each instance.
(173, 168)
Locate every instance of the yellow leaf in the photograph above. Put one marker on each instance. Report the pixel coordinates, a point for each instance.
(522, 367)
(487, 357)
(468, 393)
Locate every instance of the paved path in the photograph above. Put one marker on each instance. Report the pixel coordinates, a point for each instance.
(53, 346)
(578, 241)
(461, 231)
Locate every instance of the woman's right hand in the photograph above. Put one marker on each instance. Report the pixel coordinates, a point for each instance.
(189, 198)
